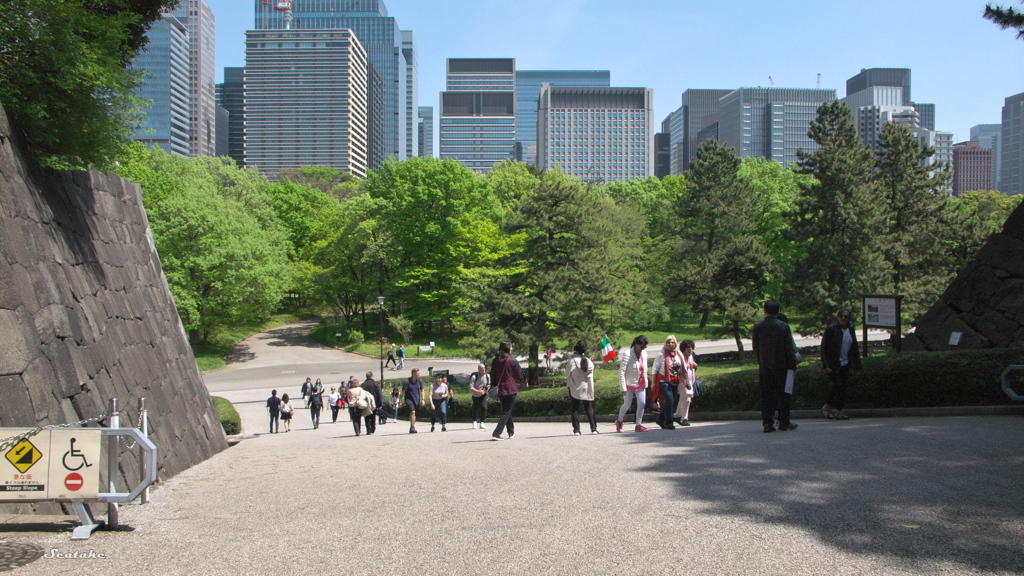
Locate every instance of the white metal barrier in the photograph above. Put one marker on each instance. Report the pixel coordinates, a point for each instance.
(61, 463)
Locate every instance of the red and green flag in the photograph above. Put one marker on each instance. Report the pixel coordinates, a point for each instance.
(607, 352)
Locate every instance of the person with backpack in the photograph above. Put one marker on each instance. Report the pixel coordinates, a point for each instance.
(401, 360)
(579, 376)
(479, 382)
(391, 357)
(316, 402)
(360, 404)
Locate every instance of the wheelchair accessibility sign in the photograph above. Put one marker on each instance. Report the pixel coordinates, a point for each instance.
(53, 464)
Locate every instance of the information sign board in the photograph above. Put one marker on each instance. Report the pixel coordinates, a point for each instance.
(52, 464)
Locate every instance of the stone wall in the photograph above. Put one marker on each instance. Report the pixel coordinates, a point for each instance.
(86, 314)
(986, 300)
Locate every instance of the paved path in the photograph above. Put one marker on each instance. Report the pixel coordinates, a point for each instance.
(866, 496)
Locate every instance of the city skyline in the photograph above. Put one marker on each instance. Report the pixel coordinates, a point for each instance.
(967, 71)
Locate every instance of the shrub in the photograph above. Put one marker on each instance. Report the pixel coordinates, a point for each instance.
(229, 418)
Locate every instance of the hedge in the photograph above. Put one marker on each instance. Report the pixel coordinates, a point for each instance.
(229, 418)
(909, 379)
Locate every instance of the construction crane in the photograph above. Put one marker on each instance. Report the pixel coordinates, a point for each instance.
(281, 6)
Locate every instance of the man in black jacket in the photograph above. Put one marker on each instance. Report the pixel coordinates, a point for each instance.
(773, 346)
(839, 355)
(370, 385)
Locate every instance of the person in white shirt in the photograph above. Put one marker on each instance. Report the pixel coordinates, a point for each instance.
(633, 382)
(333, 399)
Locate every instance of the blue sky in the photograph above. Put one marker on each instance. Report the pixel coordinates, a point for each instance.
(960, 62)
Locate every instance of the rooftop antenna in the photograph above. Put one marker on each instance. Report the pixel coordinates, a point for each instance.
(771, 81)
(819, 79)
(286, 7)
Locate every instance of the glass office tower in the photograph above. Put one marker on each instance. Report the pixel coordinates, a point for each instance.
(988, 136)
(596, 134)
(425, 126)
(383, 41)
(231, 96)
(202, 33)
(686, 123)
(1011, 143)
(528, 84)
(478, 112)
(166, 58)
(306, 100)
(770, 122)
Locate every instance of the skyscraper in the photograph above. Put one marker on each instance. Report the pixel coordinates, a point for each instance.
(688, 120)
(383, 40)
(478, 112)
(202, 31)
(663, 149)
(770, 123)
(411, 98)
(425, 126)
(1011, 175)
(375, 132)
(528, 84)
(890, 77)
(231, 95)
(166, 58)
(596, 134)
(987, 136)
(306, 100)
(972, 167)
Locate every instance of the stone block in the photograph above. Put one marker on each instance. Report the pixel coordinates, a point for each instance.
(40, 380)
(20, 346)
(997, 328)
(17, 412)
(1005, 253)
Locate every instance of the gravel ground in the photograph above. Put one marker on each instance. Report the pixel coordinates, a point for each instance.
(869, 496)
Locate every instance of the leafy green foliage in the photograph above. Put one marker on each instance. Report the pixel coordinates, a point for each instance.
(839, 222)
(229, 418)
(65, 79)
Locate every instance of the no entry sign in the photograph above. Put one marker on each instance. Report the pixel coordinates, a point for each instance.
(74, 482)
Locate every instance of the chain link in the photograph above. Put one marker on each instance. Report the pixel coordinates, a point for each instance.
(9, 442)
(138, 425)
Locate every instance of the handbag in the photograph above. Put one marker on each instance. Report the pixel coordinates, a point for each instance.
(492, 392)
(696, 387)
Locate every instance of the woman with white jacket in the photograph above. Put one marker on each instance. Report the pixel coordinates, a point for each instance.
(633, 382)
(579, 375)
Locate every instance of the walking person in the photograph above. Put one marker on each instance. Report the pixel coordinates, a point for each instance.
(668, 365)
(773, 346)
(395, 400)
(401, 360)
(633, 382)
(334, 401)
(479, 382)
(360, 405)
(840, 356)
(440, 392)
(316, 402)
(506, 374)
(412, 392)
(306, 387)
(287, 411)
(687, 383)
(372, 387)
(391, 358)
(274, 409)
(579, 376)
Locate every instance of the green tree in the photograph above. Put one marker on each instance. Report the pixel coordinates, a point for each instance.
(574, 274)
(65, 76)
(722, 264)
(989, 207)
(839, 222)
(775, 189)
(1006, 17)
(914, 198)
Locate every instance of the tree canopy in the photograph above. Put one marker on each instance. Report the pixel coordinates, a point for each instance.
(1006, 17)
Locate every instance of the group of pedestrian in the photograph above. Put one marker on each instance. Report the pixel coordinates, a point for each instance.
(673, 385)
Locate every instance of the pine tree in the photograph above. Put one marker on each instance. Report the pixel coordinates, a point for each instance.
(1006, 18)
(839, 223)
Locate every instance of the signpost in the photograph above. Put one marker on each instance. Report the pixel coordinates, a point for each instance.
(883, 311)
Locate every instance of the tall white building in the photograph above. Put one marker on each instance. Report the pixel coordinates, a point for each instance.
(598, 134)
(201, 23)
(306, 100)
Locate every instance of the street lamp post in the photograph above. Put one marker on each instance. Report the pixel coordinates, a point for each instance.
(380, 306)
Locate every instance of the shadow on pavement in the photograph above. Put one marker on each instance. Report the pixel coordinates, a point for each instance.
(916, 490)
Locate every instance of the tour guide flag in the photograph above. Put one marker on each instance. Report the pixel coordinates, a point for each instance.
(607, 352)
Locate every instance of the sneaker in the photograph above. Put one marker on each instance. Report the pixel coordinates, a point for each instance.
(594, 432)
(618, 426)
(476, 425)
(684, 422)
(640, 428)
(511, 435)
(576, 433)
(495, 438)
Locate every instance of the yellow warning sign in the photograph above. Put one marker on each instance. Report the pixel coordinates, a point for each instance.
(23, 455)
